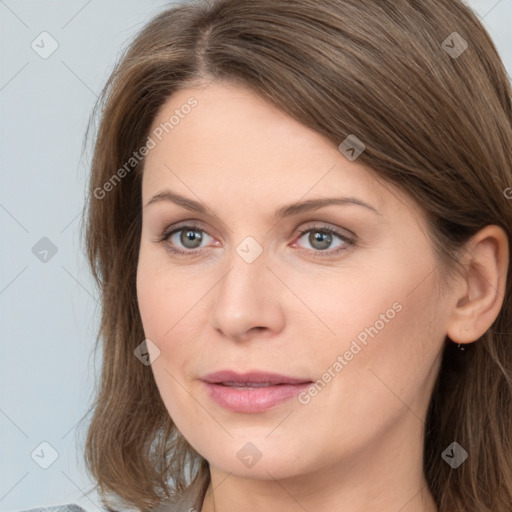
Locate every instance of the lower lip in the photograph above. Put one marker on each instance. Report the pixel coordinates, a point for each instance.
(252, 400)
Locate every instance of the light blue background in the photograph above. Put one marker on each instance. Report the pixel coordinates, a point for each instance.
(49, 313)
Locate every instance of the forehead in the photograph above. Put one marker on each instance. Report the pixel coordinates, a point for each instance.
(234, 123)
(234, 142)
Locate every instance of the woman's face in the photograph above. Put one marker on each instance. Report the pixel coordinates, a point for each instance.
(353, 316)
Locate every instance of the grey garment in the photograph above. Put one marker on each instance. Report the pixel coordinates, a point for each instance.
(70, 507)
(188, 503)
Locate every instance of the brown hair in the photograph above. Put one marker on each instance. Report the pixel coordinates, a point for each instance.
(436, 124)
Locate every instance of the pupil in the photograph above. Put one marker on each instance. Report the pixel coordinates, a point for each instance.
(191, 236)
(324, 239)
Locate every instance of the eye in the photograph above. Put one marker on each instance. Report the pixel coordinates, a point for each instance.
(321, 239)
(188, 237)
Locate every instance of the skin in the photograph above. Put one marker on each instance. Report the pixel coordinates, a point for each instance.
(296, 308)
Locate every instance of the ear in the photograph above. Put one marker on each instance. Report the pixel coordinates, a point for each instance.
(479, 298)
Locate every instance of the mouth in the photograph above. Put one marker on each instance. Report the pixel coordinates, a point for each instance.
(254, 378)
(252, 392)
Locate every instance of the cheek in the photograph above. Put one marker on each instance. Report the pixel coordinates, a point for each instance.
(165, 304)
(172, 309)
(385, 349)
(386, 301)
(165, 296)
(383, 320)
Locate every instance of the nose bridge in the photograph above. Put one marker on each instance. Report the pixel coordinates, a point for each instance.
(241, 288)
(246, 297)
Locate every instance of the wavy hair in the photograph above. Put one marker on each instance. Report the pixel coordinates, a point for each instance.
(436, 122)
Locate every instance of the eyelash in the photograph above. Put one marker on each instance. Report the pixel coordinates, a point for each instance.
(164, 237)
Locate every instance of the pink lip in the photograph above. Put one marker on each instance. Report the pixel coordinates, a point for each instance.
(222, 389)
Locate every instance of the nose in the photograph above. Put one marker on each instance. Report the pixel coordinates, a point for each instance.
(248, 301)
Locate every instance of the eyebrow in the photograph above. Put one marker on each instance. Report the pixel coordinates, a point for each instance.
(280, 213)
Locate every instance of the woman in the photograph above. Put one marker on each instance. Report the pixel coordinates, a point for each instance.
(299, 220)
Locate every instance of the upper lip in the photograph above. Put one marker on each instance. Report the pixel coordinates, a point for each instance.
(253, 377)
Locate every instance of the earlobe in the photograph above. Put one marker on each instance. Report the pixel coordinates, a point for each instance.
(486, 262)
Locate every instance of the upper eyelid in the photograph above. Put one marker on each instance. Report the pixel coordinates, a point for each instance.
(325, 225)
(186, 224)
